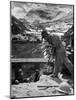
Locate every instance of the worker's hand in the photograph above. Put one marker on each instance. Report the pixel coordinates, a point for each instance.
(51, 59)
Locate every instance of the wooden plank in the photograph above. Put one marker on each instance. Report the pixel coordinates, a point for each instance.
(48, 86)
(29, 60)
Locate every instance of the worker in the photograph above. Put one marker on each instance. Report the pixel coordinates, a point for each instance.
(59, 53)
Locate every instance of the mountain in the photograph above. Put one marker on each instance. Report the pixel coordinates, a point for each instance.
(17, 26)
(70, 32)
(26, 23)
(19, 29)
(41, 13)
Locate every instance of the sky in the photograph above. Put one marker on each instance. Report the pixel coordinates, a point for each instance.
(38, 11)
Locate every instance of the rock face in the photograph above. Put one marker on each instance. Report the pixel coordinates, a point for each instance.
(17, 26)
(69, 36)
(18, 30)
(69, 39)
(30, 72)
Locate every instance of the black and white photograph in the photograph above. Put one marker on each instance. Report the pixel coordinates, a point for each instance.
(42, 49)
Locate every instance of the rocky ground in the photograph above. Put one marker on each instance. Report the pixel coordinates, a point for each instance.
(46, 86)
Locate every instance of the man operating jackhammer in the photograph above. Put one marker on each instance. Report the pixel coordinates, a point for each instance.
(59, 53)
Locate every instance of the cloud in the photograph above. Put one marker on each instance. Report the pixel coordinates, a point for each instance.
(18, 12)
(39, 11)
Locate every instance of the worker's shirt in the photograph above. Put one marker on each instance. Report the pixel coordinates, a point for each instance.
(58, 47)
